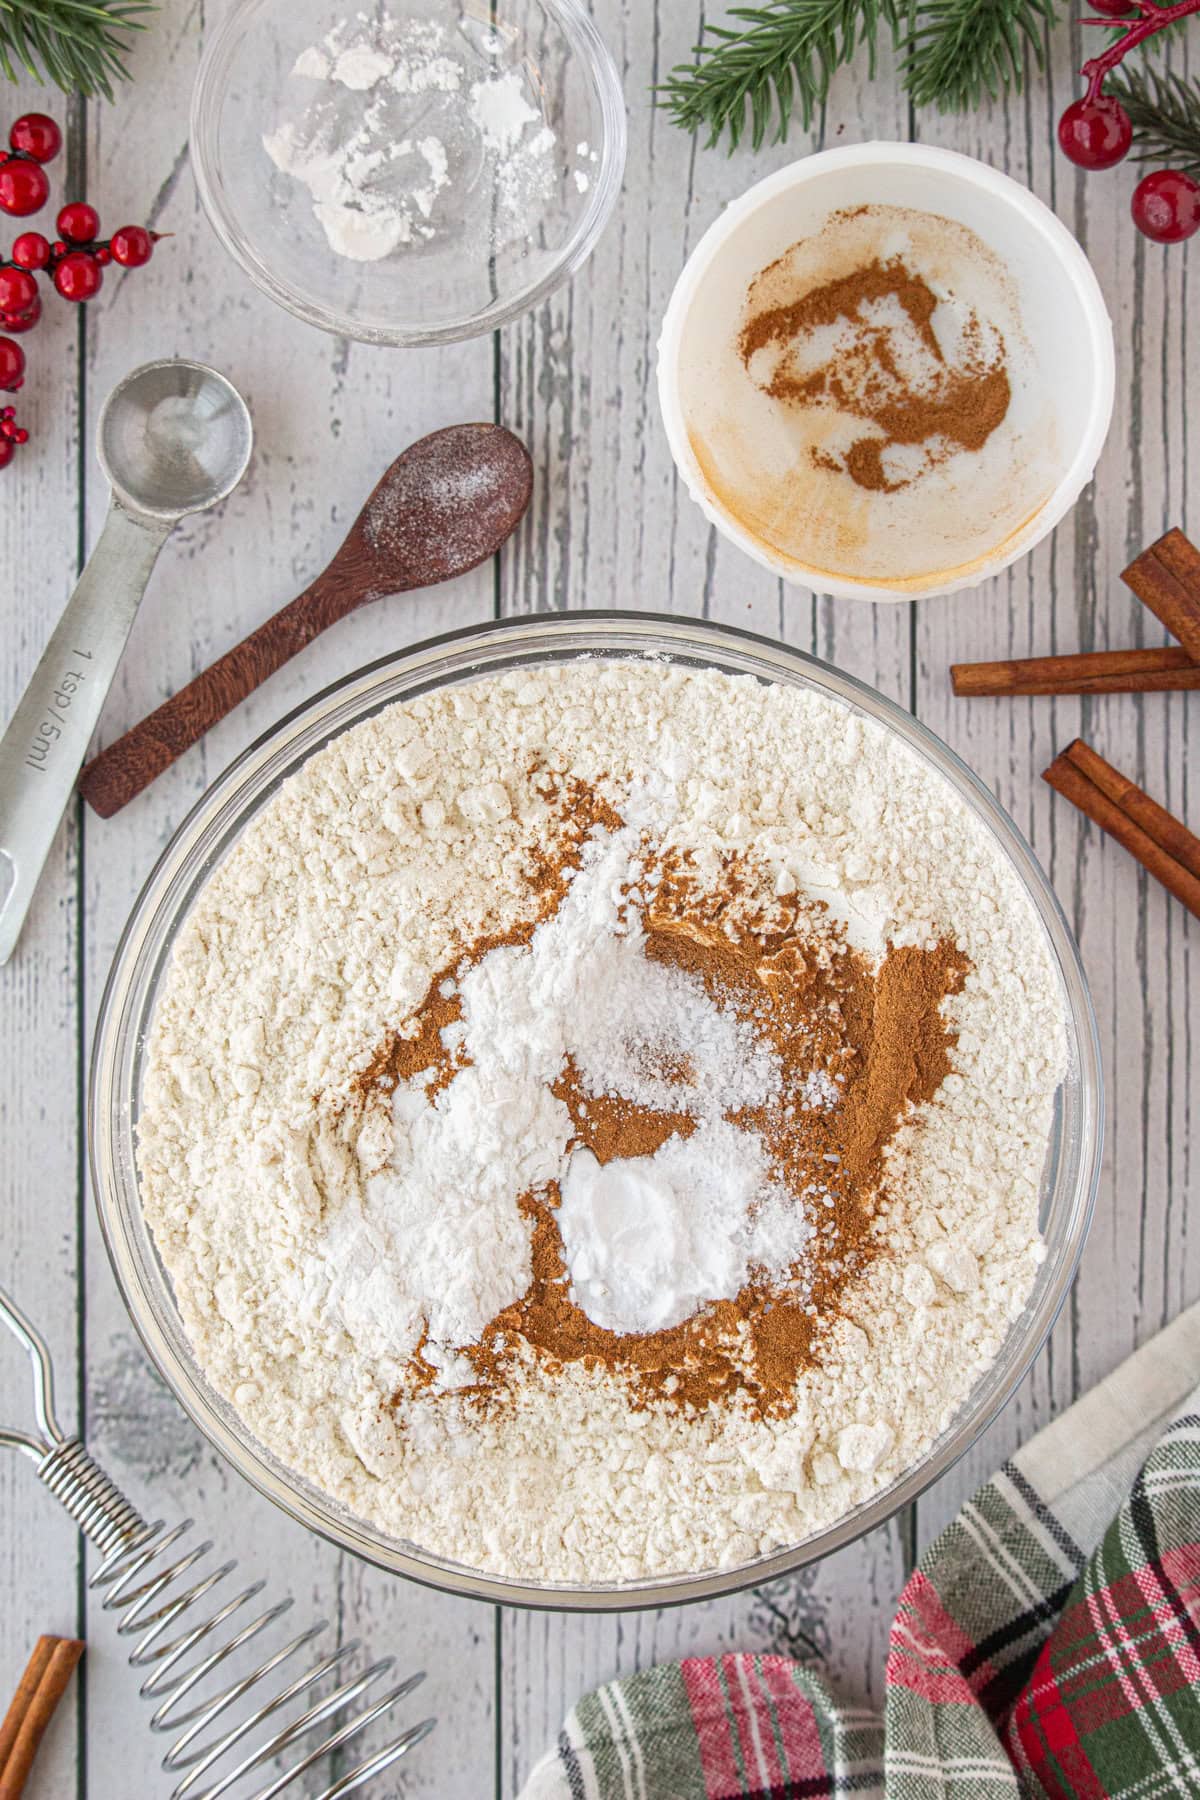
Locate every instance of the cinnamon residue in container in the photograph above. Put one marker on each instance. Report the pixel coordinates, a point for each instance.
(885, 367)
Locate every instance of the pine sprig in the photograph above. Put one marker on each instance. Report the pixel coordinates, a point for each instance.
(957, 51)
(1164, 111)
(781, 59)
(781, 56)
(79, 45)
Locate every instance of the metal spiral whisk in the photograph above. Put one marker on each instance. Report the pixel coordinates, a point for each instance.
(147, 1580)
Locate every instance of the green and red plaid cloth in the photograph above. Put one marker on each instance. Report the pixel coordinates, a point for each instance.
(1044, 1648)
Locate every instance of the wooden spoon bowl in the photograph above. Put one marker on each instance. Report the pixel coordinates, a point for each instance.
(444, 506)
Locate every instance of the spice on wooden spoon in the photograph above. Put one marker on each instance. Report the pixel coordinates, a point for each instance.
(445, 505)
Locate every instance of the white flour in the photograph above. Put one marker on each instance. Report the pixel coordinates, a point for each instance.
(400, 145)
(394, 848)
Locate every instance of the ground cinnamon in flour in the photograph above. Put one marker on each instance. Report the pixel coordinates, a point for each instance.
(917, 399)
(577, 810)
(859, 1048)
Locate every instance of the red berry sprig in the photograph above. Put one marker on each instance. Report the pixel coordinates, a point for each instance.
(11, 434)
(74, 260)
(12, 365)
(24, 184)
(35, 135)
(1166, 206)
(1096, 132)
(31, 250)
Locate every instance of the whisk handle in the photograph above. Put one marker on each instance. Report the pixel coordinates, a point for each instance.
(35, 1347)
(92, 1497)
(72, 1474)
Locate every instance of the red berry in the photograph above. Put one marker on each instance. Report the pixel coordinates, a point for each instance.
(1097, 133)
(24, 186)
(6, 452)
(18, 290)
(23, 321)
(78, 276)
(22, 436)
(36, 135)
(31, 250)
(12, 365)
(132, 245)
(1166, 206)
(79, 223)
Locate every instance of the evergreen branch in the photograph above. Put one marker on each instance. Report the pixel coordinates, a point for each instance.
(1164, 110)
(956, 51)
(783, 55)
(79, 45)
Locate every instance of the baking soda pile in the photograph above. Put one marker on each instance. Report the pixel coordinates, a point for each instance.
(411, 1251)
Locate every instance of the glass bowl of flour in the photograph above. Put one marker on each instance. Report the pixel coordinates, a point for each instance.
(595, 1111)
(413, 173)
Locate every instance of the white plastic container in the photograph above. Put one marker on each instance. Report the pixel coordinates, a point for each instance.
(1062, 310)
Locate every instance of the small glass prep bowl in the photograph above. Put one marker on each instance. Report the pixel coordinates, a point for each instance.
(1072, 1161)
(491, 236)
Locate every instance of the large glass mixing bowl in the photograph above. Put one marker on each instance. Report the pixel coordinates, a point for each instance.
(1068, 1182)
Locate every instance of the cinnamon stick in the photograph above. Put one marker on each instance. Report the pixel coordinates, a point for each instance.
(1166, 578)
(1135, 821)
(1154, 819)
(32, 1707)
(27, 1687)
(1087, 672)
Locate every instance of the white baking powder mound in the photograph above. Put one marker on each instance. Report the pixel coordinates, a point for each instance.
(407, 133)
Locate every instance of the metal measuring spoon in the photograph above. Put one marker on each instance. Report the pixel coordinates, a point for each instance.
(174, 438)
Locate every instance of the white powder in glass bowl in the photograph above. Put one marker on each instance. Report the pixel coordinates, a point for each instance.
(417, 999)
(406, 133)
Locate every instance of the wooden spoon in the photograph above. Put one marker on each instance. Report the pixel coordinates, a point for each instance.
(447, 503)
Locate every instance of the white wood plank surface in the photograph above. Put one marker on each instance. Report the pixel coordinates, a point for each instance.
(329, 417)
(610, 526)
(40, 1183)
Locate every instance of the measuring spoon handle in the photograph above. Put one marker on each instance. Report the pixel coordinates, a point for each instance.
(47, 737)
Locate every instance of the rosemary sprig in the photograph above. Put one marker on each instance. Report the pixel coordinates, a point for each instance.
(957, 51)
(780, 59)
(79, 45)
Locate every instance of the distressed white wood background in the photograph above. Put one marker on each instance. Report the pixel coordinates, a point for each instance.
(609, 526)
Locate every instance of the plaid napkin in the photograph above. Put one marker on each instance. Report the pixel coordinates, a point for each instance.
(1044, 1648)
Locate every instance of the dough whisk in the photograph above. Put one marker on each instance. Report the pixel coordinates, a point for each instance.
(152, 1585)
